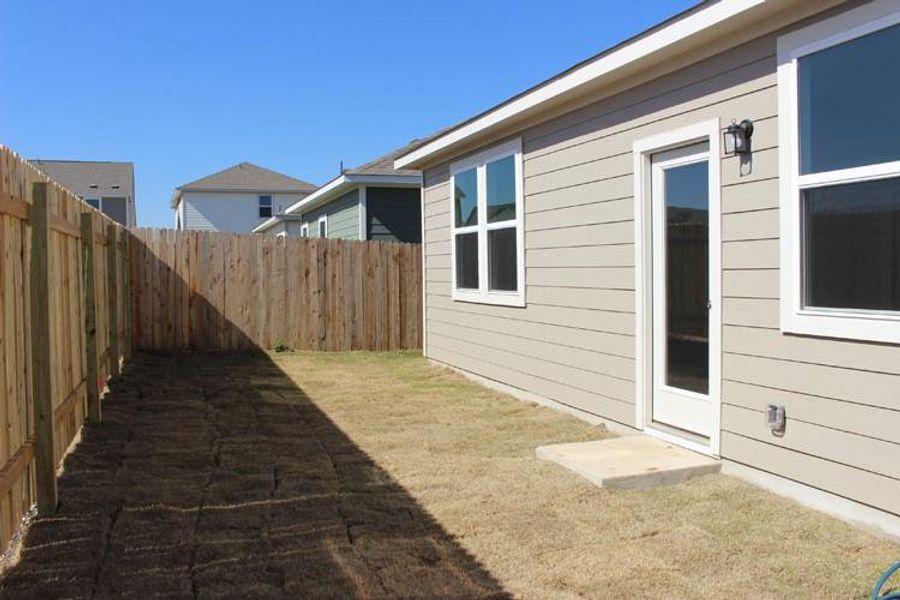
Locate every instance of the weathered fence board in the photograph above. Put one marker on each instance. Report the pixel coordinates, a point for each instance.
(45, 354)
(214, 291)
(107, 291)
(58, 375)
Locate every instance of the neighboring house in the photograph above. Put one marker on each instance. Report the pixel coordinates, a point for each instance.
(105, 185)
(596, 242)
(371, 202)
(237, 199)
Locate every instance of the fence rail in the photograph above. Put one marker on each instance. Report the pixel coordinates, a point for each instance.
(213, 291)
(78, 292)
(51, 362)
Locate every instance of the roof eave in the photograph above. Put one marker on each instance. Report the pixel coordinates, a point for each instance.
(343, 183)
(265, 225)
(254, 190)
(650, 46)
(273, 220)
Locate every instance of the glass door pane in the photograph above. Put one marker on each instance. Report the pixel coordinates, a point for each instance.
(687, 276)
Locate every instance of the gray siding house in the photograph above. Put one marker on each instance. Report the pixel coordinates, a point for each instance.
(372, 202)
(690, 230)
(107, 186)
(236, 199)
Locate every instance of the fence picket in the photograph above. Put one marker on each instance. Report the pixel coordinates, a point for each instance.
(228, 291)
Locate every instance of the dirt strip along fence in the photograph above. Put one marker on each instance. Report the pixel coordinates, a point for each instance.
(63, 329)
(217, 291)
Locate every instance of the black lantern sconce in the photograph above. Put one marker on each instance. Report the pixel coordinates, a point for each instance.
(737, 137)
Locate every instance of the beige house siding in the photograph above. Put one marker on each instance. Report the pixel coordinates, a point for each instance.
(574, 342)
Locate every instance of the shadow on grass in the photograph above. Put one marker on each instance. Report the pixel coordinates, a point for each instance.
(215, 476)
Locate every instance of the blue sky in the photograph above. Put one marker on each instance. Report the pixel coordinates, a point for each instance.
(186, 88)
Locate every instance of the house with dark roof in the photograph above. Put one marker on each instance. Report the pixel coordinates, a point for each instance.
(107, 186)
(374, 201)
(236, 199)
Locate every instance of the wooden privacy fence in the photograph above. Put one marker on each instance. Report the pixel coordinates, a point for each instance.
(78, 292)
(214, 291)
(63, 329)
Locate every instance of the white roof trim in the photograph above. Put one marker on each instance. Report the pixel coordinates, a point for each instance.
(343, 183)
(265, 224)
(604, 65)
(273, 220)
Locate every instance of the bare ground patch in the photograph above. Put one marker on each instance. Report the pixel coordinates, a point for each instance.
(215, 476)
(379, 476)
(466, 454)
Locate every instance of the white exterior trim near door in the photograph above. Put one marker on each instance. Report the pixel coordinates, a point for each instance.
(642, 150)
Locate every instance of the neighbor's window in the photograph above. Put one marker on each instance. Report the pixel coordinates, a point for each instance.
(116, 209)
(304, 230)
(323, 226)
(265, 207)
(95, 202)
(843, 190)
(487, 227)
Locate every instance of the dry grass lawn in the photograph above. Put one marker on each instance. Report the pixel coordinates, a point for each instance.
(379, 476)
(466, 454)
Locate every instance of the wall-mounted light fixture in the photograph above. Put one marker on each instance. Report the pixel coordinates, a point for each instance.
(737, 137)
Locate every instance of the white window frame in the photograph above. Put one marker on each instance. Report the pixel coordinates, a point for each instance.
(867, 325)
(323, 220)
(304, 230)
(259, 205)
(483, 294)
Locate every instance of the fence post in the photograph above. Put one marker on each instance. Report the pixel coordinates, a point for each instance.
(126, 292)
(45, 464)
(112, 296)
(90, 316)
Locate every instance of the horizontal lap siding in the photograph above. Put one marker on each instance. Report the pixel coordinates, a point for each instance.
(393, 214)
(574, 342)
(195, 218)
(840, 397)
(343, 217)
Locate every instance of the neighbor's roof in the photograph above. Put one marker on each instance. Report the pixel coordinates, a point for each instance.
(245, 177)
(384, 165)
(248, 177)
(380, 171)
(90, 178)
(689, 30)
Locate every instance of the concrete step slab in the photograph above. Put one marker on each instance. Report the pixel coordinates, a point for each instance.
(632, 462)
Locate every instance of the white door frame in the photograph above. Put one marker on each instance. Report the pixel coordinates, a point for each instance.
(642, 150)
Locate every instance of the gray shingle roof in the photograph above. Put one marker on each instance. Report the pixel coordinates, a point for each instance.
(384, 165)
(89, 178)
(250, 178)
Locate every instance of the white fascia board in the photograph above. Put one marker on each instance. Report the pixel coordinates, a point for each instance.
(265, 225)
(706, 18)
(343, 183)
(273, 220)
(324, 191)
(392, 180)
